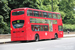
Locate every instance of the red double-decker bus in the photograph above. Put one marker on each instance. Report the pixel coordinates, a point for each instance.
(33, 24)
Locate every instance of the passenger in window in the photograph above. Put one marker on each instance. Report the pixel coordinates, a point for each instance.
(36, 29)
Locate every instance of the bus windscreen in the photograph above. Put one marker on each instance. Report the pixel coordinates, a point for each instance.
(18, 23)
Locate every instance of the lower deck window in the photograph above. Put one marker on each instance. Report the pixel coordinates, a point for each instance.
(45, 28)
(39, 27)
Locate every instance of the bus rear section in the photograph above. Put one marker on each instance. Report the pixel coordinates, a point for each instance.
(18, 25)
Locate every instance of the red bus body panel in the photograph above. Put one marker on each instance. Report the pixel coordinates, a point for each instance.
(25, 33)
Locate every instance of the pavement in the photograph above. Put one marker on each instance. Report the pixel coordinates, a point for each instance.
(5, 40)
(9, 39)
(69, 35)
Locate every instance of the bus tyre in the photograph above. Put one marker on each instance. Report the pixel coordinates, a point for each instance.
(56, 36)
(36, 38)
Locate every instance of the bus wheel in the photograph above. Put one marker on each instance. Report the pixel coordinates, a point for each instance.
(56, 36)
(36, 38)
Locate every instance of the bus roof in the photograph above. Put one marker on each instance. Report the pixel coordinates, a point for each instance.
(33, 9)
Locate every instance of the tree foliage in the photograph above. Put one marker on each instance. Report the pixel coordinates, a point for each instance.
(21, 3)
(47, 5)
(4, 9)
(3, 26)
(4, 14)
(69, 27)
(65, 7)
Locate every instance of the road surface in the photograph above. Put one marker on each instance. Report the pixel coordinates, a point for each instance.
(58, 44)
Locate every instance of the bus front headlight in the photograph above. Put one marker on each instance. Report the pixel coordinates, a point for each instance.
(10, 28)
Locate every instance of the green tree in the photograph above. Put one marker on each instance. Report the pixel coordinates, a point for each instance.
(47, 5)
(3, 26)
(4, 15)
(4, 9)
(21, 3)
(67, 6)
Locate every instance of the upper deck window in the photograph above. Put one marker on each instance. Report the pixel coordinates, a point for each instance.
(49, 15)
(58, 16)
(36, 13)
(45, 14)
(18, 13)
(54, 16)
(29, 13)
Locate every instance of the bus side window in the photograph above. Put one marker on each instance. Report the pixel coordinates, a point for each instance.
(45, 14)
(37, 28)
(41, 27)
(36, 13)
(45, 28)
(29, 13)
(58, 16)
(54, 16)
(49, 15)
